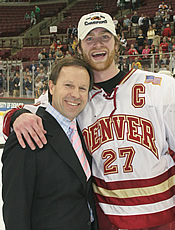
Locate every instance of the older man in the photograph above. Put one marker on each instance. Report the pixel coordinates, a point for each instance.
(51, 188)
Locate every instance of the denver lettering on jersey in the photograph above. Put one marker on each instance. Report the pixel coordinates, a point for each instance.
(139, 130)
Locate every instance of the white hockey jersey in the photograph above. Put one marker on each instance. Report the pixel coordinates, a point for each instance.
(128, 134)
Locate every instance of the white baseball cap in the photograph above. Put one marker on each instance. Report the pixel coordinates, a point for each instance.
(95, 20)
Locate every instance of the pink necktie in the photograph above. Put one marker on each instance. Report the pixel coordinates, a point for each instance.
(76, 142)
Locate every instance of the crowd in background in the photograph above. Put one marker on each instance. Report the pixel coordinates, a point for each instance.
(34, 16)
(152, 36)
(141, 38)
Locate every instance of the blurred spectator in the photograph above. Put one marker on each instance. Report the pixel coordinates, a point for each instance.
(51, 51)
(155, 28)
(140, 41)
(132, 51)
(75, 42)
(44, 87)
(97, 7)
(60, 55)
(170, 9)
(67, 54)
(164, 45)
(124, 43)
(26, 16)
(152, 49)
(134, 21)
(29, 86)
(127, 4)
(127, 21)
(40, 55)
(146, 58)
(32, 67)
(44, 61)
(125, 30)
(163, 6)
(163, 62)
(160, 54)
(32, 19)
(171, 46)
(136, 64)
(24, 84)
(69, 31)
(37, 13)
(56, 52)
(1, 85)
(146, 50)
(118, 28)
(167, 32)
(42, 76)
(44, 52)
(51, 59)
(121, 4)
(166, 19)
(75, 31)
(11, 86)
(27, 72)
(59, 45)
(158, 21)
(70, 43)
(156, 37)
(140, 21)
(146, 24)
(133, 4)
(53, 45)
(115, 21)
(37, 71)
(150, 35)
(16, 85)
(173, 62)
(38, 86)
(124, 64)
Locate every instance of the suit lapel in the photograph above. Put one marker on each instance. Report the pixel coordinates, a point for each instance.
(61, 144)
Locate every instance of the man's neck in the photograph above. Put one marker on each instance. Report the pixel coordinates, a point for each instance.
(104, 75)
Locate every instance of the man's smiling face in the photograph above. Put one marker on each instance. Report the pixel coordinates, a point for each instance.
(70, 94)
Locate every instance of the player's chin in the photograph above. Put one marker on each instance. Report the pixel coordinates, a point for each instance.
(99, 66)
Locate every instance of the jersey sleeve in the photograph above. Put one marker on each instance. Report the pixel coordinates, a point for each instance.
(10, 116)
(6, 129)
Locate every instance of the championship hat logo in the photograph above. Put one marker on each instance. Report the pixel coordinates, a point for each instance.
(95, 20)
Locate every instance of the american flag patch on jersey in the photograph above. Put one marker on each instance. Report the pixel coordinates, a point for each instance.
(154, 80)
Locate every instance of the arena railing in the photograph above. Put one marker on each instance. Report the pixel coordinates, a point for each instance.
(153, 62)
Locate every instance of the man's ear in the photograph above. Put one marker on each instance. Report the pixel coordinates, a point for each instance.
(51, 87)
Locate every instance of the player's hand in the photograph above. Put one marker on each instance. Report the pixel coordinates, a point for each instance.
(30, 125)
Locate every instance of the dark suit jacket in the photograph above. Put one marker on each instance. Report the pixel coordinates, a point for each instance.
(46, 188)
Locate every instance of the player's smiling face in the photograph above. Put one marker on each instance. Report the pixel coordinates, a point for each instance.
(98, 49)
(70, 94)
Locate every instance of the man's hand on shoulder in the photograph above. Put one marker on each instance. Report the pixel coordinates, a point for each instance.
(30, 125)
